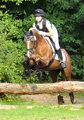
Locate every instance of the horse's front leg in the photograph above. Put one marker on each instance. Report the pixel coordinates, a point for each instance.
(26, 67)
(38, 72)
(44, 60)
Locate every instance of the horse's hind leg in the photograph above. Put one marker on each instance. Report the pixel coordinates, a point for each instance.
(67, 77)
(53, 74)
(60, 99)
(72, 98)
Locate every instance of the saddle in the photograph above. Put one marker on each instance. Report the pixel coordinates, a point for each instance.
(52, 44)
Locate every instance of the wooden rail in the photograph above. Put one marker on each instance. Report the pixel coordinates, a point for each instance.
(59, 87)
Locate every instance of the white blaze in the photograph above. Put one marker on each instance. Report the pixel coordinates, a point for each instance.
(28, 48)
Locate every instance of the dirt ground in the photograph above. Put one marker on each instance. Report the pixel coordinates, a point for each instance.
(50, 99)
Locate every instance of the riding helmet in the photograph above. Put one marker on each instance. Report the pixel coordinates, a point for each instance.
(39, 12)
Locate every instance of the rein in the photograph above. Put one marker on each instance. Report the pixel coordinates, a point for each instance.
(34, 41)
(28, 38)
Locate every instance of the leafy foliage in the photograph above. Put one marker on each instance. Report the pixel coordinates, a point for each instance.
(11, 59)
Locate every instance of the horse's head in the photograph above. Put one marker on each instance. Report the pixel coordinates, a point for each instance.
(31, 39)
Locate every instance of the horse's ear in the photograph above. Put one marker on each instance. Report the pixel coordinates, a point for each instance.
(24, 31)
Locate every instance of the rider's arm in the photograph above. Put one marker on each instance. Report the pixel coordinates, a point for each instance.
(34, 25)
(49, 27)
(50, 31)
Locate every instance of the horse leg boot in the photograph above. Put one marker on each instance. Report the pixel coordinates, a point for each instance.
(60, 99)
(38, 72)
(72, 98)
(62, 64)
(26, 69)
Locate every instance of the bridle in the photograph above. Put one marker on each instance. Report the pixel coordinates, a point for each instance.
(28, 38)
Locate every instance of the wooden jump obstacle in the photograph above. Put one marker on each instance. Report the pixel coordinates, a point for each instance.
(58, 87)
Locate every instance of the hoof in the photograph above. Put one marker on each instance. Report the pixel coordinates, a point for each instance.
(25, 59)
(27, 73)
(60, 100)
(39, 74)
(74, 101)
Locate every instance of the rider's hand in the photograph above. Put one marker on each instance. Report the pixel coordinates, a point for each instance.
(42, 33)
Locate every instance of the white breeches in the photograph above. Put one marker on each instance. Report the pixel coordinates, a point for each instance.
(55, 37)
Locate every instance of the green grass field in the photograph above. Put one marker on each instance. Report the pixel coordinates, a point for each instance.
(29, 110)
(42, 112)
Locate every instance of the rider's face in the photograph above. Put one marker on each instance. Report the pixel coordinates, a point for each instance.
(38, 18)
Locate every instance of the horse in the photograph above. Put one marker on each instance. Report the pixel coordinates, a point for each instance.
(40, 56)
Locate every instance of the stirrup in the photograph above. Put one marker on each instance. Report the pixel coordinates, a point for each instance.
(62, 65)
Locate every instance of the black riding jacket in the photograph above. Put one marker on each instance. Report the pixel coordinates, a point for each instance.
(44, 28)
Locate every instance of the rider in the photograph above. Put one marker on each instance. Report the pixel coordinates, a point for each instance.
(46, 28)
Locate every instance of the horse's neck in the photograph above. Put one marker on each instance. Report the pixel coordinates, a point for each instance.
(39, 38)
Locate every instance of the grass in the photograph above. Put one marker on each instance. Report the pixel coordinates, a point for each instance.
(41, 111)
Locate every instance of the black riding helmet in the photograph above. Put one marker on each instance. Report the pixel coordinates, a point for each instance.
(39, 12)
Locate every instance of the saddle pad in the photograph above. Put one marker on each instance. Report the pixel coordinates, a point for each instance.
(56, 56)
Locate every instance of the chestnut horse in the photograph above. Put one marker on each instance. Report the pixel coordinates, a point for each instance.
(40, 56)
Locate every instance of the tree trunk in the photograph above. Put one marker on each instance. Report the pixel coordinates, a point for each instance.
(58, 87)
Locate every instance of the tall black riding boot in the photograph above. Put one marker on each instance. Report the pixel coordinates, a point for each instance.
(62, 64)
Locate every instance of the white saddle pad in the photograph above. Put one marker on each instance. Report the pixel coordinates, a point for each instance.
(56, 56)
